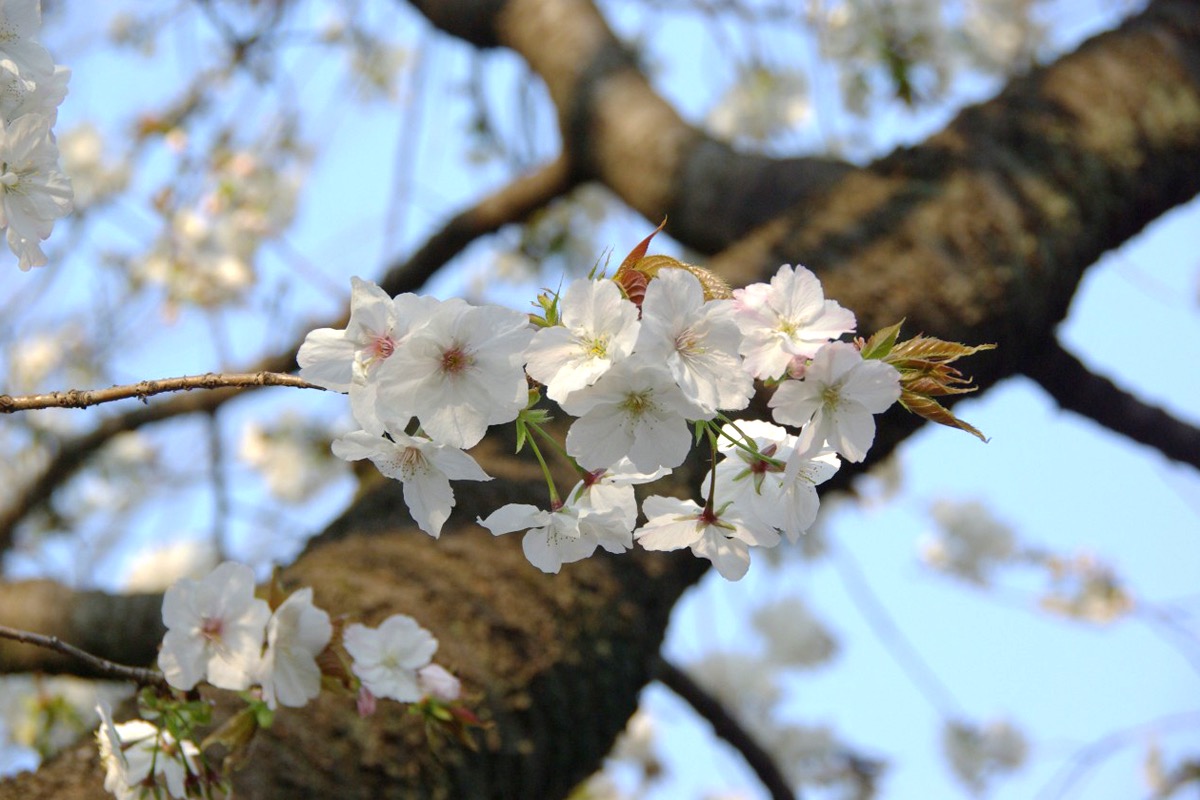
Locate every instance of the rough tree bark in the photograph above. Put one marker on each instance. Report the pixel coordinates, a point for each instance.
(979, 234)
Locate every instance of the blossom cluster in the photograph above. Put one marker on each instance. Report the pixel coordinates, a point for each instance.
(33, 190)
(647, 363)
(218, 631)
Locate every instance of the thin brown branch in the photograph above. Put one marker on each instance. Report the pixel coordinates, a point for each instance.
(75, 398)
(511, 203)
(1076, 388)
(728, 728)
(102, 666)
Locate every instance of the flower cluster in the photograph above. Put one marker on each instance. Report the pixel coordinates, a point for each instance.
(647, 363)
(33, 190)
(219, 632)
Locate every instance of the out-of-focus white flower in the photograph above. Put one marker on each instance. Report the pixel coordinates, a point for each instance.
(293, 455)
(794, 636)
(388, 658)
(1084, 588)
(836, 401)
(761, 104)
(438, 683)
(636, 743)
(296, 634)
(978, 755)
(215, 629)
(744, 683)
(94, 174)
(155, 570)
(134, 752)
(33, 192)
(970, 542)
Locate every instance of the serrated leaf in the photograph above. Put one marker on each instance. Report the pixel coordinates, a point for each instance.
(932, 410)
(882, 341)
(928, 348)
(520, 436)
(639, 252)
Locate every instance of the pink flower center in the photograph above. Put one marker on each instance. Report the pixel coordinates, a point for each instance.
(382, 346)
(211, 628)
(455, 360)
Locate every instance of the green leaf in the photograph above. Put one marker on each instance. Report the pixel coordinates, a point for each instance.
(882, 342)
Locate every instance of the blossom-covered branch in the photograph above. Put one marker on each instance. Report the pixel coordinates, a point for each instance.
(75, 398)
(109, 669)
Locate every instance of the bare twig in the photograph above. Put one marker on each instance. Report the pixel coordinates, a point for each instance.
(109, 669)
(75, 398)
(728, 728)
(1076, 388)
(511, 203)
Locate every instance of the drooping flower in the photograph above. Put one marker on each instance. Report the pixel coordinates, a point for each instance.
(697, 340)
(836, 400)
(461, 372)
(424, 467)
(634, 411)
(767, 490)
(296, 634)
(723, 537)
(388, 658)
(215, 629)
(562, 536)
(598, 329)
(33, 191)
(787, 319)
(134, 751)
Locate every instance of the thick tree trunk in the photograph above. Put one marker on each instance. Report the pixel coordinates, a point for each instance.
(981, 234)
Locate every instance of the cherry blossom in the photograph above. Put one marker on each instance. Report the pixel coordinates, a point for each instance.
(723, 537)
(215, 629)
(836, 400)
(460, 372)
(635, 410)
(599, 327)
(387, 658)
(772, 493)
(787, 319)
(424, 467)
(33, 192)
(697, 340)
(561, 536)
(134, 751)
(296, 634)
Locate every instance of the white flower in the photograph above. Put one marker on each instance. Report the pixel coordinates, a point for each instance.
(436, 682)
(347, 360)
(635, 410)
(292, 455)
(33, 192)
(611, 489)
(794, 636)
(387, 658)
(425, 468)
(788, 319)
(697, 341)
(978, 755)
(970, 542)
(133, 751)
(215, 629)
(761, 104)
(562, 536)
(599, 327)
(461, 372)
(296, 634)
(722, 537)
(836, 400)
(772, 493)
